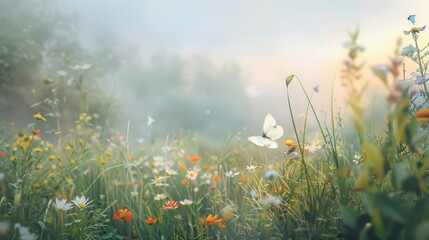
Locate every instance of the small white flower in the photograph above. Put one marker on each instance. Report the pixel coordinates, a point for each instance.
(81, 67)
(408, 51)
(271, 201)
(81, 202)
(231, 174)
(186, 202)
(415, 30)
(134, 194)
(62, 205)
(159, 197)
(251, 168)
(192, 174)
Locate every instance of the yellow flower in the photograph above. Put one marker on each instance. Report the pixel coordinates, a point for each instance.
(13, 158)
(52, 157)
(288, 142)
(72, 161)
(102, 161)
(210, 220)
(39, 117)
(68, 148)
(37, 185)
(38, 150)
(69, 180)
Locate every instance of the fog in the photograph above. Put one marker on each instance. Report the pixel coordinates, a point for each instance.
(212, 67)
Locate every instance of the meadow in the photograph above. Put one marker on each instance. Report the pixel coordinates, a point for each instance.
(365, 175)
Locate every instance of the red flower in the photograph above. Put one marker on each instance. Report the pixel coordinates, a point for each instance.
(123, 215)
(37, 132)
(3, 154)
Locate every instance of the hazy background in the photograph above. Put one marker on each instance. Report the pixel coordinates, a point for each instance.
(210, 66)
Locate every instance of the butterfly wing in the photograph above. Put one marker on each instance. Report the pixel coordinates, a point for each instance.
(275, 132)
(269, 123)
(270, 129)
(412, 19)
(263, 141)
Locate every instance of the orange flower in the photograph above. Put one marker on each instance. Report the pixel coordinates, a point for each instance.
(184, 182)
(244, 179)
(182, 167)
(123, 215)
(194, 158)
(210, 220)
(213, 188)
(216, 178)
(150, 221)
(422, 113)
(170, 205)
(3, 154)
(207, 167)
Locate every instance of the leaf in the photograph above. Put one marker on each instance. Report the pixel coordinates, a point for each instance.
(349, 217)
(374, 158)
(289, 79)
(421, 231)
(400, 173)
(387, 207)
(362, 181)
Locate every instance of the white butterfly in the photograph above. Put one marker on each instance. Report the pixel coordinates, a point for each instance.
(150, 120)
(270, 132)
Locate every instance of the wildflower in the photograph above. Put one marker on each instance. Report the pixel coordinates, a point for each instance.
(207, 167)
(37, 150)
(24, 232)
(157, 181)
(3, 154)
(186, 202)
(414, 30)
(213, 188)
(251, 168)
(357, 158)
(288, 142)
(101, 160)
(81, 202)
(231, 174)
(270, 174)
(150, 221)
(159, 197)
(192, 174)
(62, 205)
(39, 117)
(134, 194)
(123, 215)
(37, 185)
(420, 79)
(184, 182)
(408, 51)
(13, 158)
(271, 201)
(171, 172)
(216, 178)
(182, 167)
(170, 205)
(68, 148)
(244, 179)
(210, 220)
(37, 132)
(195, 158)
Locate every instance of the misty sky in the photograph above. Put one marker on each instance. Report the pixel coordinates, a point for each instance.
(267, 39)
